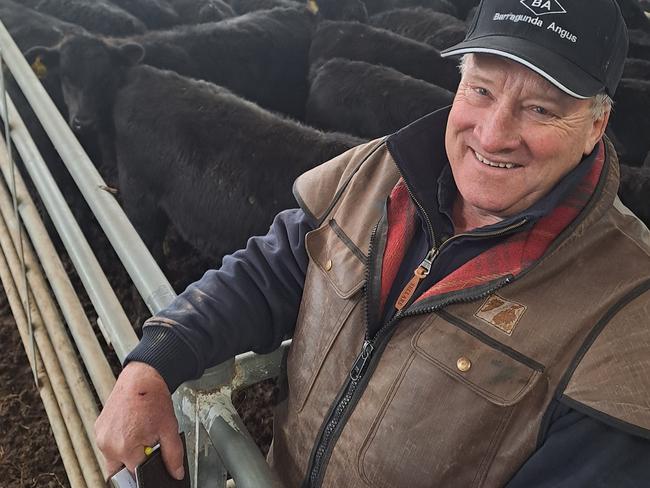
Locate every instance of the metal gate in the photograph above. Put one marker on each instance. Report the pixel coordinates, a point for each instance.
(48, 312)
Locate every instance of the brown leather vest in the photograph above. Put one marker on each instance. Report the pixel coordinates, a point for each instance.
(455, 399)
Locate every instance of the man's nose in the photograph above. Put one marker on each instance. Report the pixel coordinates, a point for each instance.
(500, 131)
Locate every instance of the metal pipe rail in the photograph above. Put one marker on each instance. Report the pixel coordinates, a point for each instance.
(147, 277)
(66, 389)
(54, 337)
(91, 353)
(207, 427)
(120, 332)
(59, 429)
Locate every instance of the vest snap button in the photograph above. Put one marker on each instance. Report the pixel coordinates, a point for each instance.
(463, 364)
(328, 265)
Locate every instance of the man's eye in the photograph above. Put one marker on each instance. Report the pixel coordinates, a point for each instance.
(481, 91)
(541, 110)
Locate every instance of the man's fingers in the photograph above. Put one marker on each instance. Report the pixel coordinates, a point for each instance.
(135, 457)
(171, 449)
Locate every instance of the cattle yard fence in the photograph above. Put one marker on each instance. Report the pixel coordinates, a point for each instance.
(70, 369)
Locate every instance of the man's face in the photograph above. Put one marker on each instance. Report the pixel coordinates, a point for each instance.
(507, 116)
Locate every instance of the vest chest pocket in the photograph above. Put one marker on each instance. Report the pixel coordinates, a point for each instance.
(330, 299)
(446, 410)
(338, 258)
(490, 371)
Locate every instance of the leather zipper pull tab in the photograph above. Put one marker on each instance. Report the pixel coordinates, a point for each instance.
(419, 274)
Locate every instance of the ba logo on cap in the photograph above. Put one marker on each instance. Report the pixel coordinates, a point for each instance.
(543, 7)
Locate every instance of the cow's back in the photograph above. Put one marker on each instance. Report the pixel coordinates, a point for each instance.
(211, 159)
(261, 56)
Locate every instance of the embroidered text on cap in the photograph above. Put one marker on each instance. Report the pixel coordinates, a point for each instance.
(543, 7)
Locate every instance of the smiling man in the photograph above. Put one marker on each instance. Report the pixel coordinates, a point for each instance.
(509, 128)
(467, 297)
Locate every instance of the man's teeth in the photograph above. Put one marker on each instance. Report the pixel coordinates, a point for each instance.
(493, 164)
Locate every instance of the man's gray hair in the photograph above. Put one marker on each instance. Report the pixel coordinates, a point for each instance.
(600, 103)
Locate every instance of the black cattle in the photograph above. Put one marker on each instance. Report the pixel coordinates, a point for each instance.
(367, 100)
(261, 56)
(415, 23)
(30, 28)
(447, 36)
(155, 14)
(360, 42)
(342, 10)
(245, 6)
(98, 16)
(634, 191)
(634, 15)
(444, 6)
(471, 14)
(464, 7)
(326, 9)
(639, 44)
(201, 11)
(214, 165)
(637, 68)
(630, 120)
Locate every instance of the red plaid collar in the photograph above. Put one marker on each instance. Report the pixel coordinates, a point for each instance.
(512, 256)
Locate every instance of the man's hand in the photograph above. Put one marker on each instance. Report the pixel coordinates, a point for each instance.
(139, 413)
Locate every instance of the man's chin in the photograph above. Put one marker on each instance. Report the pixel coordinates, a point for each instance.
(498, 207)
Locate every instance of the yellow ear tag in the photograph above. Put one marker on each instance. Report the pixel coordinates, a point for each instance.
(312, 6)
(39, 68)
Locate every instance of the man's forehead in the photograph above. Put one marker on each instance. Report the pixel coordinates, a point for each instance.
(490, 67)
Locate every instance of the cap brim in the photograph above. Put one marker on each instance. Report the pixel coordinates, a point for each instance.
(556, 69)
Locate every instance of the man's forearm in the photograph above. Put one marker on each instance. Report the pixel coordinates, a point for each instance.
(580, 451)
(251, 302)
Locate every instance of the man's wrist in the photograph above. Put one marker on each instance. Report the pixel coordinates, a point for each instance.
(166, 353)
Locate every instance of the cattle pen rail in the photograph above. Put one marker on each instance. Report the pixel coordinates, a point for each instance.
(39, 292)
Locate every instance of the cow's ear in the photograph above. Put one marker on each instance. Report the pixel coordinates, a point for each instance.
(132, 53)
(42, 59)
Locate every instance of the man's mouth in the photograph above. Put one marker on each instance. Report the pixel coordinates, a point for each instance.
(494, 164)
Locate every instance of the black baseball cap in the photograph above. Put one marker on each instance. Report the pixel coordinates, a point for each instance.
(578, 45)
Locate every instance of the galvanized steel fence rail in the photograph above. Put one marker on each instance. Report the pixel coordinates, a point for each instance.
(216, 438)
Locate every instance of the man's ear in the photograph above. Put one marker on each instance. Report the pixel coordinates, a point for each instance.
(597, 131)
(132, 53)
(42, 59)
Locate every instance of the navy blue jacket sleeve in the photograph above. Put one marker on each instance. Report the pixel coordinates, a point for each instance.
(580, 451)
(250, 303)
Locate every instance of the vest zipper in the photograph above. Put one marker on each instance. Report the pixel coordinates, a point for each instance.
(358, 379)
(419, 274)
(333, 419)
(421, 207)
(371, 349)
(422, 271)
